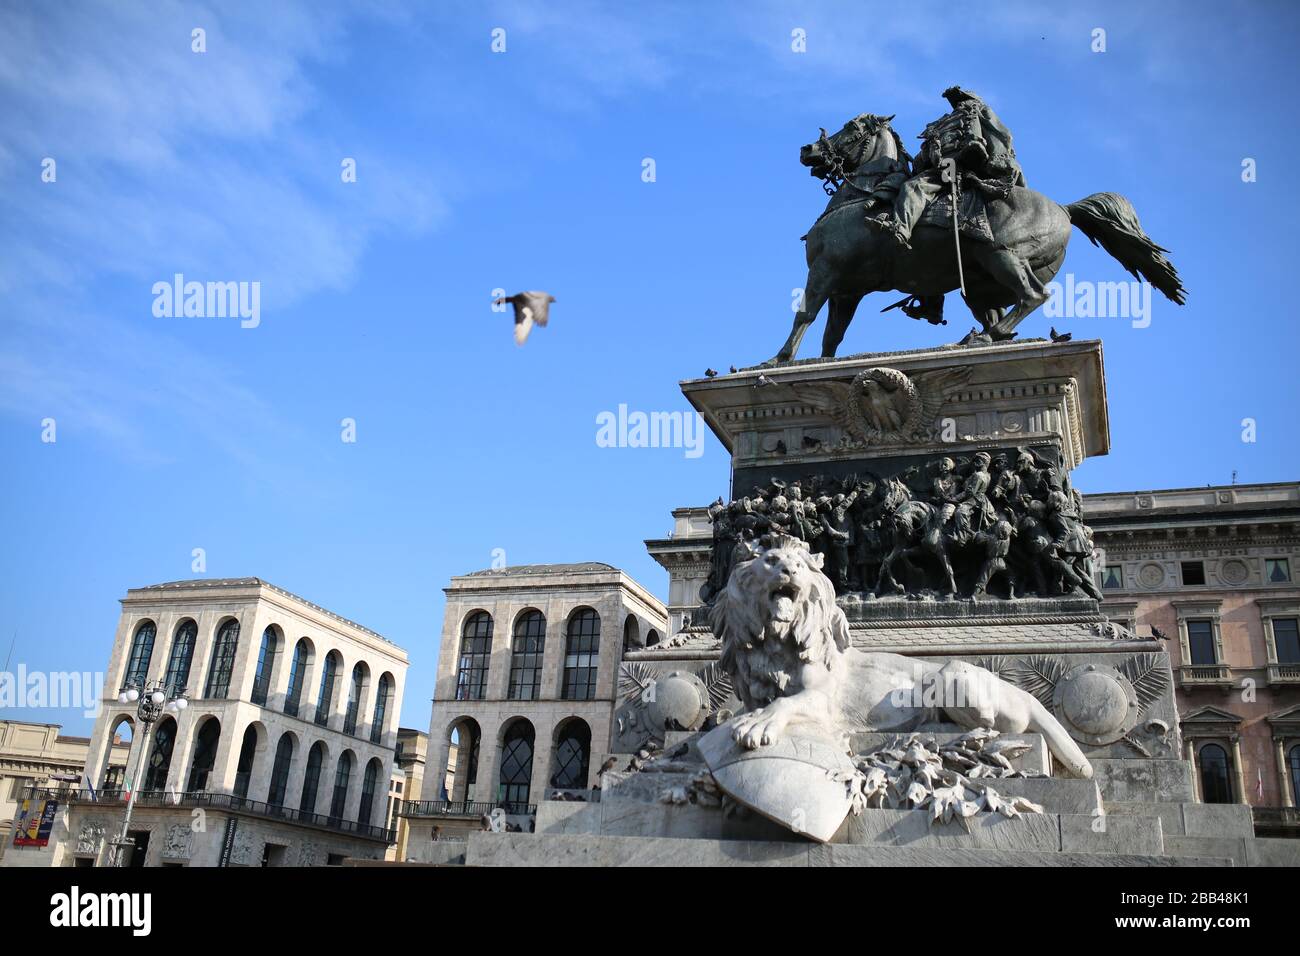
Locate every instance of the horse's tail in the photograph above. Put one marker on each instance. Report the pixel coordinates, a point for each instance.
(1110, 221)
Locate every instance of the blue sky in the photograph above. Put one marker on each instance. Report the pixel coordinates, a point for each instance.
(519, 170)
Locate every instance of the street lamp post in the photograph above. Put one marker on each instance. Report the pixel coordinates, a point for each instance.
(153, 700)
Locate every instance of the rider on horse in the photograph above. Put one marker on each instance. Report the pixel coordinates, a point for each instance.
(979, 143)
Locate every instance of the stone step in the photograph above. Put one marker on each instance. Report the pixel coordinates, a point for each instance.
(1191, 819)
(1243, 851)
(1040, 832)
(1053, 794)
(1036, 758)
(1084, 832)
(534, 849)
(1132, 779)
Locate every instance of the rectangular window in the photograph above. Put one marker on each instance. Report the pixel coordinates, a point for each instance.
(1113, 577)
(1200, 641)
(1286, 638)
(1277, 570)
(1193, 572)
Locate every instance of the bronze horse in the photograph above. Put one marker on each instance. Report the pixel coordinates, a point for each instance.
(848, 258)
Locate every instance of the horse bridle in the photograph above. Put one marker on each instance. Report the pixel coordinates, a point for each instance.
(837, 177)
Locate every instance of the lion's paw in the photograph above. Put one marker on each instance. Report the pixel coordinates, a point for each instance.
(762, 728)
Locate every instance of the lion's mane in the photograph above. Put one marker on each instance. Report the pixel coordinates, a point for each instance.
(762, 655)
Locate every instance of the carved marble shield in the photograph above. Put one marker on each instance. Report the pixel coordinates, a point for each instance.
(803, 781)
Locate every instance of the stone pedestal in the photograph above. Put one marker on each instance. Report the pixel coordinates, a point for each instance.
(810, 417)
(860, 427)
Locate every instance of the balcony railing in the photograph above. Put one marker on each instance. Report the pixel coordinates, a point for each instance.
(1205, 675)
(461, 808)
(215, 801)
(1284, 673)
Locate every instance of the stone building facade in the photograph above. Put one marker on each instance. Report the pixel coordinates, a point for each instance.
(285, 751)
(38, 756)
(527, 676)
(1214, 571)
(407, 781)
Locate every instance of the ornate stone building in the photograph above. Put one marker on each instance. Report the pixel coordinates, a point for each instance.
(527, 676)
(1212, 570)
(284, 754)
(38, 756)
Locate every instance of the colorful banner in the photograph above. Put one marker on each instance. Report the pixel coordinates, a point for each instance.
(33, 829)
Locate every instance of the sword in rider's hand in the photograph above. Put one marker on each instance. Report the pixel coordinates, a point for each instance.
(949, 174)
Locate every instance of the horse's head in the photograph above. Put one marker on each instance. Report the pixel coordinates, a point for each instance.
(861, 139)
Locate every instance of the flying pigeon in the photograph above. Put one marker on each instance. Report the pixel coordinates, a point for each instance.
(530, 308)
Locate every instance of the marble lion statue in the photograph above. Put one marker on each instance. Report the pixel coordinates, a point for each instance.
(785, 644)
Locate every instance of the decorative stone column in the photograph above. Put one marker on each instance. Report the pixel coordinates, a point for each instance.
(1241, 769)
(1283, 778)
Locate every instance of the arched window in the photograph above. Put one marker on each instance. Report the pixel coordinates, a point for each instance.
(122, 732)
(265, 665)
(460, 775)
(182, 655)
(297, 677)
(205, 755)
(572, 754)
(1216, 786)
(369, 783)
(342, 780)
(223, 661)
(355, 691)
(247, 753)
(1293, 771)
(280, 771)
(475, 651)
(526, 656)
(160, 755)
(311, 779)
(516, 764)
(581, 654)
(137, 665)
(631, 634)
(325, 699)
(383, 695)
(652, 638)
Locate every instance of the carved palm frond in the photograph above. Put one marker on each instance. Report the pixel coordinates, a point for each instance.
(717, 683)
(1038, 675)
(633, 678)
(1148, 677)
(997, 664)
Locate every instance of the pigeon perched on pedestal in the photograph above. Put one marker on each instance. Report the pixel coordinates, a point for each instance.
(530, 309)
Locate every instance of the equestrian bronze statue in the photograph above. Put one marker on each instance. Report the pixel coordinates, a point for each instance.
(890, 225)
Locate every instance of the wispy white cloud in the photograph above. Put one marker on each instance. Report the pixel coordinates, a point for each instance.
(172, 161)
